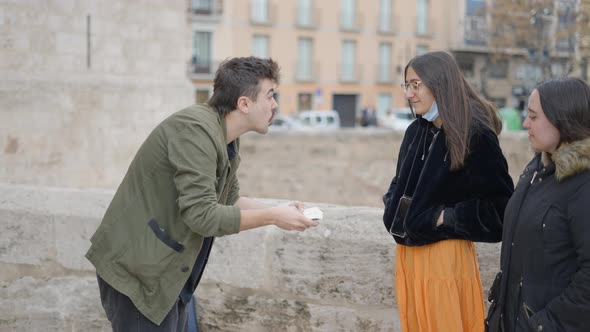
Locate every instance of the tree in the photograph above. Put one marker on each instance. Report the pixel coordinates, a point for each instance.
(542, 32)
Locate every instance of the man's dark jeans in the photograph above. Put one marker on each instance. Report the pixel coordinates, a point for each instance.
(125, 317)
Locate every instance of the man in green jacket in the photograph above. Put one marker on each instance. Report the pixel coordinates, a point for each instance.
(181, 191)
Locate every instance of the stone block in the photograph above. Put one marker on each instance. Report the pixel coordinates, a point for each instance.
(71, 43)
(27, 238)
(347, 259)
(52, 305)
(222, 308)
(239, 260)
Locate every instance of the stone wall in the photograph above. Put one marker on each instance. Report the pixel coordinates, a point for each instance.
(336, 277)
(348, 167)
(83, 82)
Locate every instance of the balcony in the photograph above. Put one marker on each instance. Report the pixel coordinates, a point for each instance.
(389, 28)
(350, 73)
(425, 27)
(307, 73)
(205, 10)
(202, 70)
(307, 18)
(385, 74)
(262, 15)
(475, 31)
(352, 23)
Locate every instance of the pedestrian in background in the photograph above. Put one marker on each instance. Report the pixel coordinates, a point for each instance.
(450, 188)
(544, 283)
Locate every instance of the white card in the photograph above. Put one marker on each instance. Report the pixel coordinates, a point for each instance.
(313, 213)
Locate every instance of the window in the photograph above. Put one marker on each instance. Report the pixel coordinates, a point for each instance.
(475, 22)
(201, 60)
(260, 46)
(201, 96)
(259, 11)
(384, 102)
(384, 70)
(304, 56)
(421, 49)
(385, 15)
(304, 102)
(348, 14)
(304, 10)
(347, 70)
(202, 6)
(498, 69)
(422, 17)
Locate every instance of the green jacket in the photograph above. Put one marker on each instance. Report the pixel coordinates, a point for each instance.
(179, 188)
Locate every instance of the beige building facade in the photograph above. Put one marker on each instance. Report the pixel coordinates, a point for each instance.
(350, 54)
(334, 54)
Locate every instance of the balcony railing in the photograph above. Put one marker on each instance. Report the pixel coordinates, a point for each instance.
(206, 10)
(475, 31)
(307, 73)
(309, 21)
(424, 27)
(350, 73)
(352, 24)
(385, 74)
(202, 70)
(389, 28)
(267, 16)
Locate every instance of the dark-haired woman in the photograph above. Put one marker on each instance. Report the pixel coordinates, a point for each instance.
(545, 280)
(450, 189)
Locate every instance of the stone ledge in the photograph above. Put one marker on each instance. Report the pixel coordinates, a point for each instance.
(338, 276)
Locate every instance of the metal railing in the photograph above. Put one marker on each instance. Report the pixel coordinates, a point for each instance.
(350, 73)
(307, 73)
(310, 21)
(389, 28)
(354, 24)
(202, 70)
(268, 15)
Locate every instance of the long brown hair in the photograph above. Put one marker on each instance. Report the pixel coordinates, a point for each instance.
(460, 107)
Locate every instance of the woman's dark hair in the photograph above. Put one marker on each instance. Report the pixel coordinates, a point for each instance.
(566, 104)
(461, 108)
(239, 77)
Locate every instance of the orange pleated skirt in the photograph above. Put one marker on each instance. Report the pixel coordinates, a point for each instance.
(438, 287)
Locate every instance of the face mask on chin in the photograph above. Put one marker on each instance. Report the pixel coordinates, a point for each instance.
(432, 114)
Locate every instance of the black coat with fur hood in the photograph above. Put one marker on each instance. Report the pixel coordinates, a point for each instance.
(545, 280)
(473, 197)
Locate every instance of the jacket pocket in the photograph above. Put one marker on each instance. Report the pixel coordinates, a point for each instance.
(149, 256)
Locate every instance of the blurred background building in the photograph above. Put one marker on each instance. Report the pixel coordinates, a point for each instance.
(334, 54)
(83, 82)
(347, 54)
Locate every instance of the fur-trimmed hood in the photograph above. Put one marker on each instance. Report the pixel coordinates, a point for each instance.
(571, 159)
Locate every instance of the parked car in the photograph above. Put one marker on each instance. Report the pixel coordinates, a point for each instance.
(398, 119)
(321, 119)
(282, 122)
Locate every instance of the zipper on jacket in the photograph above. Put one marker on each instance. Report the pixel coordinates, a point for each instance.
(421, 173)
(534, 176)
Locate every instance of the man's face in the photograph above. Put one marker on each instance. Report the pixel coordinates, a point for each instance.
(262, 111)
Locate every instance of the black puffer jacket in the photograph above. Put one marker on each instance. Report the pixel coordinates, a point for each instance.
(545, 279)
(473, 197)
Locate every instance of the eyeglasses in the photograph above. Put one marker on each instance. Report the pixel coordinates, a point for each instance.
(415, 85)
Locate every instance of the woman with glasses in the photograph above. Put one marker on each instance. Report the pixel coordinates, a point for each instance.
(450, 188)
(544, 283)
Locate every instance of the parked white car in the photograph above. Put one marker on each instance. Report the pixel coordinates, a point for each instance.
(320, 119)
(399, 119)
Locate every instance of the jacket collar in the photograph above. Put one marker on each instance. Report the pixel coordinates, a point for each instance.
(570, 159)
